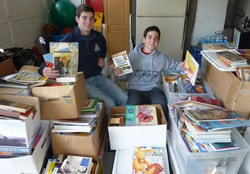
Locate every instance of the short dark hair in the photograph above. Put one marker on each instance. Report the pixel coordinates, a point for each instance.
(152, 28)
(84, 7)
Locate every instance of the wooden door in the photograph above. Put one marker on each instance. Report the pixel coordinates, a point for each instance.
(116, 15)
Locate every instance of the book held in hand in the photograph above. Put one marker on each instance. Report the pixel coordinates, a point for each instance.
(121, 60)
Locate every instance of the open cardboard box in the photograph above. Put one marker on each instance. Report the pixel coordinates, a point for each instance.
(234, 93)
(61, 102)
(7, 67)
(24, 130)
(127, 137)
(82, 145)
(29, 163)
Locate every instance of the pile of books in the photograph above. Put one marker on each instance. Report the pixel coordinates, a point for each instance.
(205, 127)
(71, 164)
(231, 59)
(13, 143)
(86, 123)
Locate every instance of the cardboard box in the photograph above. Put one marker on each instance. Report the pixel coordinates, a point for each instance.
(29, 163)
(234, 93)
(7, 67)
(61, 102)
(83, 145)
(127, 137)
(23, 130)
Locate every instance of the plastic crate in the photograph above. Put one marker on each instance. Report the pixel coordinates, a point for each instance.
(227, 162)
(174, 97)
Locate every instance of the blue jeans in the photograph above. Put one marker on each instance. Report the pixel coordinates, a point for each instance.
(103, 88)
(153, 96)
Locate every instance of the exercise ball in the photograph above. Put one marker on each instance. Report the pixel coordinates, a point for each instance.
(62, 14)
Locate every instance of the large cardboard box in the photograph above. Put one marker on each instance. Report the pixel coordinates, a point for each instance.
(77, 144)
(29, 163)
(127, 137)
(234, 93)
(7, 67)
(26, 130)
(61, 102)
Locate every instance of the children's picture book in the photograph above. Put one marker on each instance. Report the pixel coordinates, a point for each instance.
(76, 164)
(49, 60)
(121, 60)
(204, 115)
(65, 57)
(230, 58)
(141, 115)
(191, 67)
(149, 160)
(239, 121)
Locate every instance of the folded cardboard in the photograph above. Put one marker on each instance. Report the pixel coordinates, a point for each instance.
(234, 93)
(26, 130)
(61, 102)
(127, 137)
(29, 163)
(79, 144)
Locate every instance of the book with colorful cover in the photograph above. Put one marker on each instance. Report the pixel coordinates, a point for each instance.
(206, 115)
(190, 67)
(141, 115)
(224, 146)
(121, 60)
(65, 57)
(149, 160)
(90, 105)
(49, 60)
(239, 121)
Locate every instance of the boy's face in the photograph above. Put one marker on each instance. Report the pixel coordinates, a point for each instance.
(151, 41)
(85, 22)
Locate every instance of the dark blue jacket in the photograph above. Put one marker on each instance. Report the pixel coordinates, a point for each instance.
(91, 47)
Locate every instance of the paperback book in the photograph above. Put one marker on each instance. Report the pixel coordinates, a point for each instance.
(14, 106)
(141, 115)
(121, 60)
(149, 160)
(231, 59)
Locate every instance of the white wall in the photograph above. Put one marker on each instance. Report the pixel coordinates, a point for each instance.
(210, 18)
(21, 22)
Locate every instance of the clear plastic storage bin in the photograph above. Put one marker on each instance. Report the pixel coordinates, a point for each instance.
(227, 162)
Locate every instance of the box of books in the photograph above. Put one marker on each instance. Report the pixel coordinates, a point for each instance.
(193, 157)
(176, 90)
(63, 101)
(81, 143)
(20, 120)
(33, 162)
(141, 160)
(141, 125)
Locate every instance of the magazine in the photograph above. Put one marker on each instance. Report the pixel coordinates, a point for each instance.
(121, 60)
(190, 67)
(65, 57)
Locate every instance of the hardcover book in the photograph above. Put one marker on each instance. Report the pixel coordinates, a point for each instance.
(141, 115)
(149, 160)
(65, 57)
(190, 67)
(14, 106)
(121, 60)
(231, 59)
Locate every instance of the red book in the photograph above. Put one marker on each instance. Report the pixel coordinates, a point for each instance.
(205, 100)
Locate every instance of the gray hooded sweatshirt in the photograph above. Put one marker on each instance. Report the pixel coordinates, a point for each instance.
(147, 69)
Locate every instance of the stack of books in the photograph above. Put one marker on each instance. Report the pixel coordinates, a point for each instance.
(86, 123)
(231, 59)
(14, 143)
(205, 127)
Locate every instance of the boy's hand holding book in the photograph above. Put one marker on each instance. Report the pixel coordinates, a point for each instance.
(116, 70)
(50, 73)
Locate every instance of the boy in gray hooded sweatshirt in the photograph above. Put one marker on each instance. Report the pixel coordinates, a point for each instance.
(147, 63)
